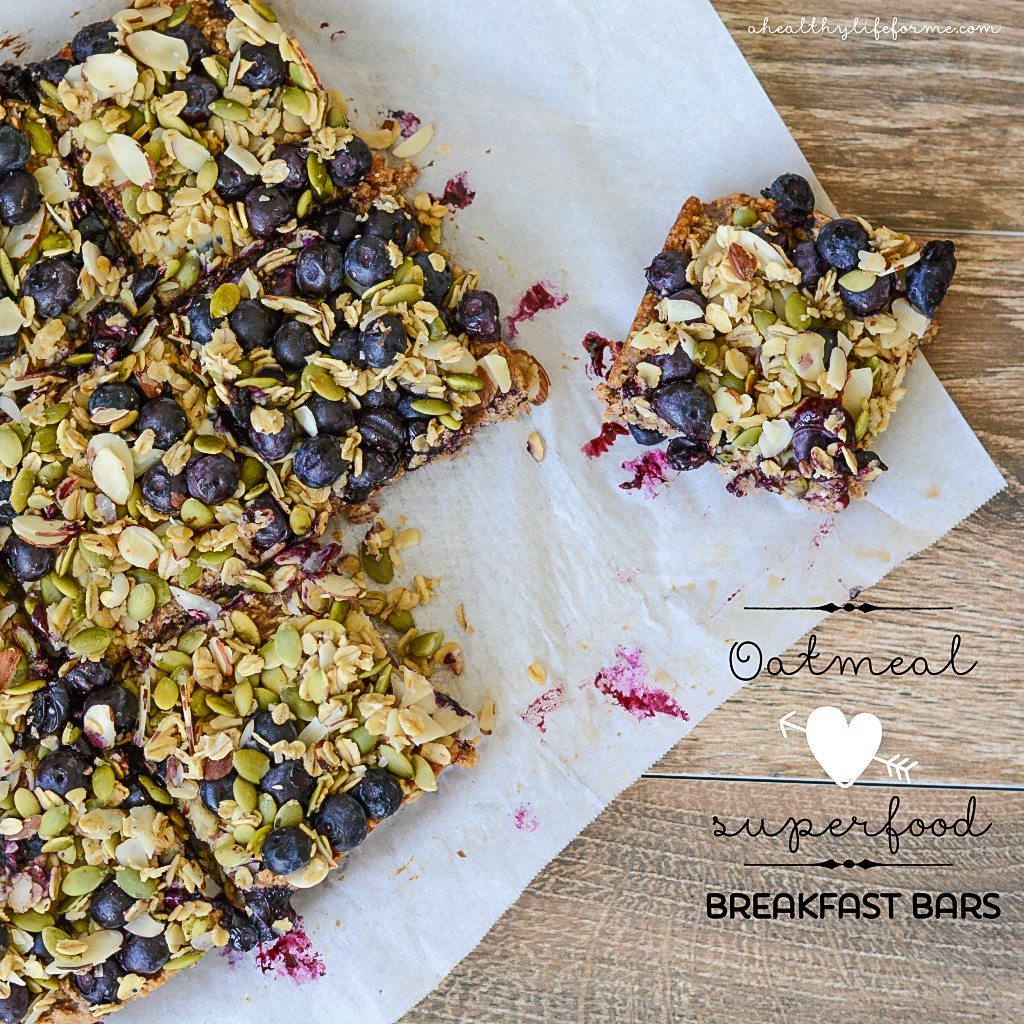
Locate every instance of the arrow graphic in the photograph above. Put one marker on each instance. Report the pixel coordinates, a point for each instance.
(896, 767)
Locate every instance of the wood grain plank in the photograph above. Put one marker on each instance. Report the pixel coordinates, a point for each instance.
(928, 126)
(614, 930)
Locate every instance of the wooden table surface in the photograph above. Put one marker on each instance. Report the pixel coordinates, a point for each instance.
(926, 135)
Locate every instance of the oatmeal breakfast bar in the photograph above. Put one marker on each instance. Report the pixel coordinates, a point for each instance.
(293, 724)
(355, 353)
(774, 341)
(101, 899)
(204, 133)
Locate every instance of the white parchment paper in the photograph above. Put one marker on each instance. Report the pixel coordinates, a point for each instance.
(582, 127)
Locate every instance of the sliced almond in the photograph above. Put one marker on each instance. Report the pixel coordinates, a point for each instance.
(189, 153)
(11, 318)
(241, 156)
(497, 369)
(139, 547)
(806, 353)
(158, 51)
(132, 160)
(112, 468)
(110, 74)
(910, 318)
(43, 533)
(836, 377)
(775, 437)
(859, 386)
(416, 143)
(679, 311)
(55, 183)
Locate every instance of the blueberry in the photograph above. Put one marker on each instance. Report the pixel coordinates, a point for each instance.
(687, 407)
(477, 315)
(61, 772)
(15, 1006)
(88, 676)
(345, 346)
(338, 225)
(293, 342)
(794, 198)
(342, 820)
(164, 490)
(383, 341)
(211, 479)
(379, 793)
(39, 951)
(295, 157)
(95, 38)
(675, 365)
(436, 283)
(818, 423)
(201, 324)
(382, 428)
(286, 850)
(810, 263)
(319, 462)
(165, 418)
(25, 561)
(667, 273)
(50, 709)
(350, 165)
(870, 300)
(53, 283)
(100, 983)
(264, 726)
(9, 345)
(683, 454)
(7, 512)
(831, 337)
(110, 903)
(929, 279)
(213, 792)
(378, 467)
(92, 229)
(393, 226)
(268, 208)
(114, 396)
(123, 705)
(198, 45)
(288, 781)
(138, 795)
(19, 197)
(267, 904)
(51, 70)
(275, 529)
(330, 417)
(243, 935)
(233, 183)
(143, 283)
(253, 324)
(320, 270)
(368, 262)
(15, 149)
(645, 437)
(5, 939)
(110, 331)
(406, 410)
(274, 447)
(144, 954)
(840, 242)
(200, 91)
(267, 70)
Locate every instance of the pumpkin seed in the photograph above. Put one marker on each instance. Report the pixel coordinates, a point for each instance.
(42, 141)
(319, 380)
(727, 380)
(314, 687)
(305, 203)
(251, 764)
(50, 474)
(165, 694)
(290, 814)
(748, 438)
(377, 567)
(11, 448)
(229, 110)
(82, 880)
(402, 621)
(267, 807)
(363, 739)
(206, 177)
(300, 521)
(195, 515)
(295, 100)
(103, 781)
(318, 177)
(189, 575)
(188, 273)
(264, 10)
(336, 118)
(256, 843)
(217, 68)
(178, 15)
(395, 762)
(9, 276)
(44, 440)
(32, 921)
(141, 602)
(230, 856)
(243, 833)
(221, 705)
(244, 792)
(796, 311)
(225, 300)
(289, 645)
(423, 774)
(431, 406)
(861, 426)
(252, 472)
(129, 202)
(157, 794)
(94, 640)
(408, 293)
(209, 444)
(425, 645)
(25, 802)
(383, 683)
(706, 353)
(463, 382)
(182, 960)
(55, 820)
(744, 217)
(301, 709)
(244, 697)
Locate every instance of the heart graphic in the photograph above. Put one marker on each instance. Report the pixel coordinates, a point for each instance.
(843, 749)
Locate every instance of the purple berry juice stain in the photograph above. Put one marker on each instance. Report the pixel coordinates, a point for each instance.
(408, 123)
(625, 681)
(649, 470)
(524, 818)
(597, 348)
(536, 299)
(457, 194)
(292, 956)
(536, 714)
(605, 439)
